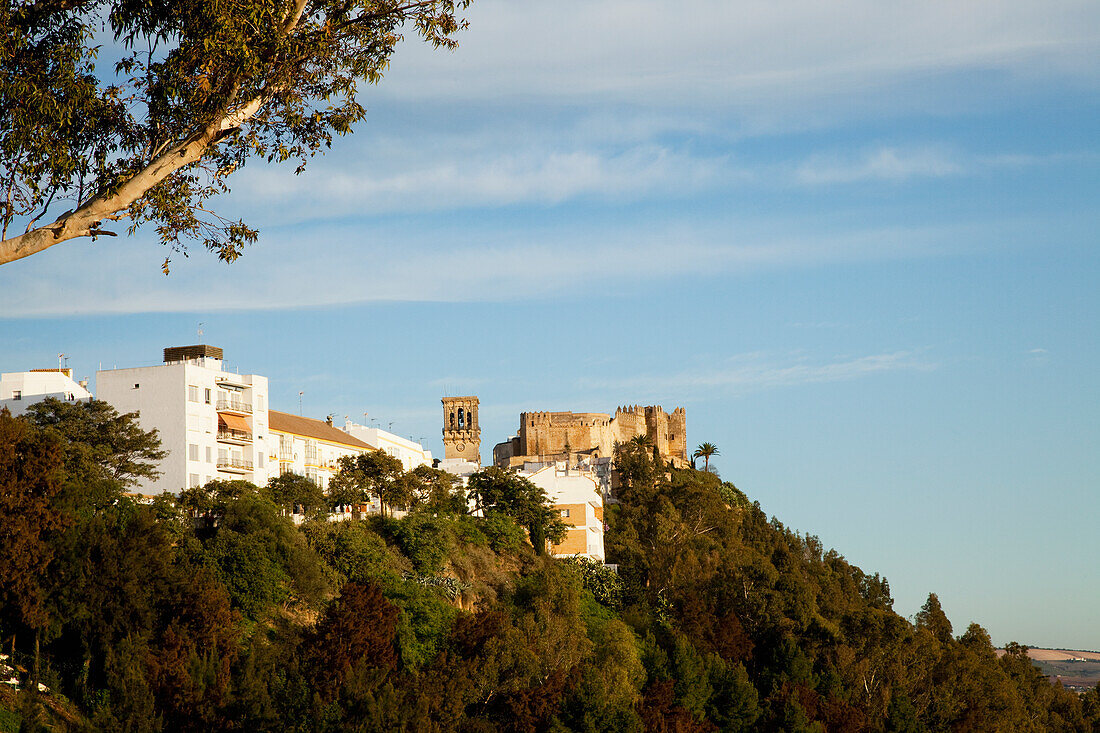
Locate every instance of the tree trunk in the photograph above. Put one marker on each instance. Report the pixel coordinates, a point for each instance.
(37, 638)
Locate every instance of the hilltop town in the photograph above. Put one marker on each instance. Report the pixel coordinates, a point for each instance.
(219, 425)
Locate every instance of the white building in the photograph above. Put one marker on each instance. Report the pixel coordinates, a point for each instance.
(410, 453)
(213, 423)
(576, 494)
(308, 447)
(459, 467)
(19, 390)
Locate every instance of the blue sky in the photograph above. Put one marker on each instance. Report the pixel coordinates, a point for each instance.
(857, 241)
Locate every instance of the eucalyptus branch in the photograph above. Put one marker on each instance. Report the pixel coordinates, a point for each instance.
(42, 213)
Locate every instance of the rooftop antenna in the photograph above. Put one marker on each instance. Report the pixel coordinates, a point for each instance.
(200, 330)
(390, 426)
(300, 393)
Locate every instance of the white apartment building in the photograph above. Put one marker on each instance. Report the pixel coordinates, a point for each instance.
(410, 453)
(213, 423)
(19, 390)
(308, 447)
(577, 496)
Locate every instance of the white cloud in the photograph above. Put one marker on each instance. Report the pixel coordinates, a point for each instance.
(881, 164)
(713, 52)
(437, 177)
(375, 265)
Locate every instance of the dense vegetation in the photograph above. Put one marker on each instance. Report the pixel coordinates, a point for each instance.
(213, 611)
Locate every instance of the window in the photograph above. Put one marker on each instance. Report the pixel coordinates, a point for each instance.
(259, 460)
(192, 452)
(207, 396)
(192, 393)
(209, 454)
(193, 480)
(17, 394)
(565, 513)
(137, 386)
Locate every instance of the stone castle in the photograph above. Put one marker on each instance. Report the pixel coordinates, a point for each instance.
(548, 436)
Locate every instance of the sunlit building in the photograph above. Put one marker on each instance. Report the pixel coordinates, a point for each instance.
(20, 390)
(212, 422)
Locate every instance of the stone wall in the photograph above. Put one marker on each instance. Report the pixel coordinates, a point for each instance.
(546, 435)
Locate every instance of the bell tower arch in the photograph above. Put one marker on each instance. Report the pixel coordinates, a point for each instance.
(461, 429)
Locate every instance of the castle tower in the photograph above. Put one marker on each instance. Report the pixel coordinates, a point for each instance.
(461, 429)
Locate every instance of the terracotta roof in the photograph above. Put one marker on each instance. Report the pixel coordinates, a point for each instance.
(284, 422)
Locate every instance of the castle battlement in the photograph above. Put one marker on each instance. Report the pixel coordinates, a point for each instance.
(544, 434)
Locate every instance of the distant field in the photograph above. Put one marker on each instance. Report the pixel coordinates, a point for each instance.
(1073, 668)
(1061, 655)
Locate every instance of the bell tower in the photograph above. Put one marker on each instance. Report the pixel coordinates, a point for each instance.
(461, 429)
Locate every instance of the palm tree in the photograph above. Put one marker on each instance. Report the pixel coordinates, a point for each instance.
(705, 451)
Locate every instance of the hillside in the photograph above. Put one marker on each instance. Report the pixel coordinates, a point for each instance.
(214, 612)
(1077, 670)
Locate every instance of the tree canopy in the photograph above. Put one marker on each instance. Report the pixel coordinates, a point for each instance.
(199, 90)
(496, 490)
(214, 611)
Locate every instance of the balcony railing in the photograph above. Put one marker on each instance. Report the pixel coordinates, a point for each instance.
(234, 464)
(234, 436)
(234, 406)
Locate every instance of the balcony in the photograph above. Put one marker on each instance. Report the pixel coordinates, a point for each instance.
(234, 465)
(236, 437)
(233, 381)
(240, 408)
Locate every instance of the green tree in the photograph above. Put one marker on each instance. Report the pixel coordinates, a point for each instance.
(201, 88)
(932, 617)
(705, 451)
(435, 491)
(373, 473)
(292, 491)
(261, 558)
(105, 453)
(494, 489)
(30, 482)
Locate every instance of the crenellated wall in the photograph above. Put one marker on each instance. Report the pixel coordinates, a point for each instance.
(547, 434)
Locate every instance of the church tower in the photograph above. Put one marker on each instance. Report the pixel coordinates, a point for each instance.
(461, 429)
